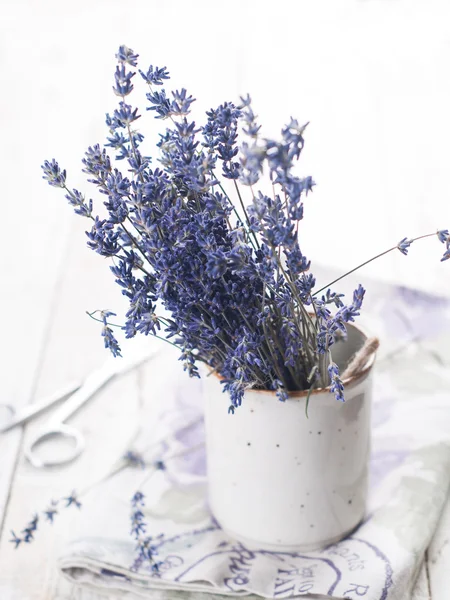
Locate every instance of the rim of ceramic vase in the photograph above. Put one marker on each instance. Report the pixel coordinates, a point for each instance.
(349, 381)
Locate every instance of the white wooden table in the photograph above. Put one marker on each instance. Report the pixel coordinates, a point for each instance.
(48, 279)
(64, 344)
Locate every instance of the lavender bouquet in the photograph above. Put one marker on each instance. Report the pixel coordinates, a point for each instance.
(223, 280)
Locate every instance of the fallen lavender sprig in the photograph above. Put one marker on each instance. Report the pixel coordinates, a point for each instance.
(146, 546)
(131, 458)
(134, 459)
(49, 514)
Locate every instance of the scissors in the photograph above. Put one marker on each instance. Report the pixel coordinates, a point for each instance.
(77, 394)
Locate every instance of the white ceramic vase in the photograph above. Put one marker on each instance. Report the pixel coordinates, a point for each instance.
(281, 481)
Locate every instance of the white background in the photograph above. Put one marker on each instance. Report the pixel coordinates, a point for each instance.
(372, 77)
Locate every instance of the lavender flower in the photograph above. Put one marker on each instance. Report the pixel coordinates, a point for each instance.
(53, 174)
(155, 75)
(404, 245)
(15, 540)
(134, 459)
(221, 134)
(29, 530)
(127, 56)
(444, 237)
(123, 79)
(72, 500)
(51, 511)
(103, 238)
(228, 271)
(446, 255)
(146, 548)
(337, 387)
(77, 200)
(251, 127)
(49, 514)
(108, 335)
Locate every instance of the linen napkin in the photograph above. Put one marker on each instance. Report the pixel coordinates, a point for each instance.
(380, 560)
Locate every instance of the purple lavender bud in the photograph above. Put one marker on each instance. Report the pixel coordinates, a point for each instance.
(444, 236)
(123, 78)
(337, 387)
(155, 75)
(126, 56)
(446, 255)
(404, 245)
(53, 174)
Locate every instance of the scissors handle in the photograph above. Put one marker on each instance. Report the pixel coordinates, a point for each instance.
(57, 428)
(64, 431)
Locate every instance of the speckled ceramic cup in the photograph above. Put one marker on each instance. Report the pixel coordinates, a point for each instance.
(281, 481)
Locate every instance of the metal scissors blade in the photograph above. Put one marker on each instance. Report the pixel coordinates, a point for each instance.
(95, 381)
(56, 426)
(36, 408)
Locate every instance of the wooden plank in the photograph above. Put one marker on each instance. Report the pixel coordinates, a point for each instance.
(40, 45)
(34, 230)
(74, 348)
(26, 313)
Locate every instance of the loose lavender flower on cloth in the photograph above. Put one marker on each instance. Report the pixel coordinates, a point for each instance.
(230, 272)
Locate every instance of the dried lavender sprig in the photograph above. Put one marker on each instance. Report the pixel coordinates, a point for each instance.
(129, 459)
(134, 459)
(146, 548)
(403, 246)
(211, 275)
(223, 134)
(49, 514)
(109, 325)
